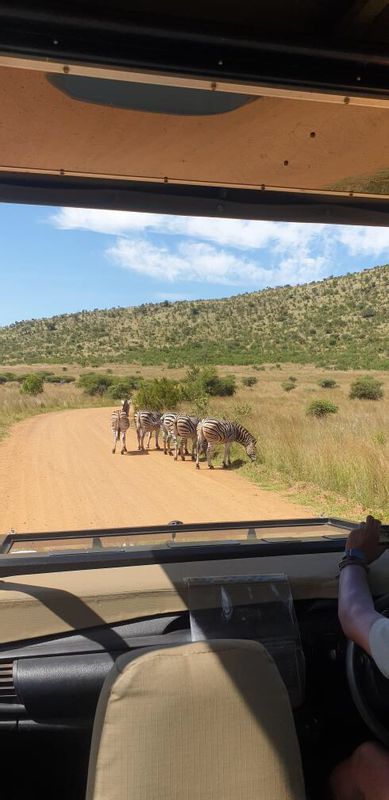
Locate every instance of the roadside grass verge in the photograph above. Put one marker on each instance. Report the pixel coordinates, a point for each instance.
(336, 465)
(15, 407)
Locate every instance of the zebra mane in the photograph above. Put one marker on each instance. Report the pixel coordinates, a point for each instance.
(243, 435)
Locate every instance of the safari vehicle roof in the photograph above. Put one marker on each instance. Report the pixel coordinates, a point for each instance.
(272, 110)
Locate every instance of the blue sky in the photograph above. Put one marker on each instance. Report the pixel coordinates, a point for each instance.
(57, 260)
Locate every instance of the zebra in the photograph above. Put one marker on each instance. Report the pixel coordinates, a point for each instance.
(185, 427)
(216, 431)
(147, 422)
(167, 425)
(120, 423)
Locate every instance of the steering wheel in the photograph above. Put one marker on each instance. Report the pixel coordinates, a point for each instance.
(369, 688)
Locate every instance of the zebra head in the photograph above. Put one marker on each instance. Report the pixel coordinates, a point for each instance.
(126, 405)
(250, 450)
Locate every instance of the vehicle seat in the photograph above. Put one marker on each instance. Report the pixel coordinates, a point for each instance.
(204, 720)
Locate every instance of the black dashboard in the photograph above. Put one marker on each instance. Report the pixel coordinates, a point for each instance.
(57, 680)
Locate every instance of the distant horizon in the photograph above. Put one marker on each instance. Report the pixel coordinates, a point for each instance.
(65, 260)
(189, 300)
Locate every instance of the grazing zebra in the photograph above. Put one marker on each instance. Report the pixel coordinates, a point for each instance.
(185, 427)
(147, 422)
(167, 426)
(120, 423)
(216, 431)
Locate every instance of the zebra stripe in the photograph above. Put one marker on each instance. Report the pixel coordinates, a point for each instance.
(120, 423)
(216, 431)
(167, 426)
(147, 422)
(185, 427)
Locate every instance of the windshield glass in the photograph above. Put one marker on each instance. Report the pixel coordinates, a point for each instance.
(285, 359)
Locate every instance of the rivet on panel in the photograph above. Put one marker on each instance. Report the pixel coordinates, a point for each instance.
(312, 134)
(346, 101)
(166, 180)
(286, 163)
(66, 70)
(213, 85)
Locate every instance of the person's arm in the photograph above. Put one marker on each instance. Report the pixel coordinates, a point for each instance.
(356, 609)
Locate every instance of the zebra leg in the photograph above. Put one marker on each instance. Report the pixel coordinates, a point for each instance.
(183, 449)
(148, 440)
(210, 449)
(227, 459)
(115, 438)
(124, 448)
(157, 447)
(200, 444)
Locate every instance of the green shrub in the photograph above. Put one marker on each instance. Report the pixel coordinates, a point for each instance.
(201, 381)
(59, 379)
(94, 383)
(7, 377)
(32, 384)
(288, 386)
(366, 388)
(321, 408)
(292, 379)
(220, 387)
(157, 395)
(123, 387)
(327, 383)
(249, 381)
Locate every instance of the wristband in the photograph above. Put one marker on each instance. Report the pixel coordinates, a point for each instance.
(348, 561)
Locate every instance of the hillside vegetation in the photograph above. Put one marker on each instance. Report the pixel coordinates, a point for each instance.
(341, 322)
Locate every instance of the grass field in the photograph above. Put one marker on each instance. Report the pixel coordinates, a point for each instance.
(337, 465)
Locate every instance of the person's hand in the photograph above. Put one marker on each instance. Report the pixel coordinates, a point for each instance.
(366, 538)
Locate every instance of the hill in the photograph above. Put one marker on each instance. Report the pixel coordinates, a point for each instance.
(342, 322)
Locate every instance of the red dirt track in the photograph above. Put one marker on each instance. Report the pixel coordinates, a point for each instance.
(57, 472)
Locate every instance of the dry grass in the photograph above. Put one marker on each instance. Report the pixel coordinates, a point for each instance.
(338, 465)
(15, 406)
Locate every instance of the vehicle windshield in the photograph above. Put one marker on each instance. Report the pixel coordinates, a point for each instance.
(293, 378)
(162, 367)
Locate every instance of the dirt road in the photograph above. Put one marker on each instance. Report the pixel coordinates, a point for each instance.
(57, 473)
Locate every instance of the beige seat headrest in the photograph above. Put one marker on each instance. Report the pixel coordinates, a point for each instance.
(200, 721)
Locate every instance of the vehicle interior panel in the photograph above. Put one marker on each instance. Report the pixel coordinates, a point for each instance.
(271, 111)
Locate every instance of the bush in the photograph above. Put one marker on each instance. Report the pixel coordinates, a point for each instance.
(206, 381)
(59, 379)
(94, 383)
(288, 386)
(321, 408)
(327, 383)
(249, 381)
(32, 384)
(366, 388)
(7, 377)
(157, 395)
(220, 387)
(123, 387)
(292, 379)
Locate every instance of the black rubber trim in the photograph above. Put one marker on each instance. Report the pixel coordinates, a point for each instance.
(192, 200)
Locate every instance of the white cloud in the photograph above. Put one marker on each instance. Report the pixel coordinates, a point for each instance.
(246, 234)
(203, 263)
(369, 241)
(224, 251)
